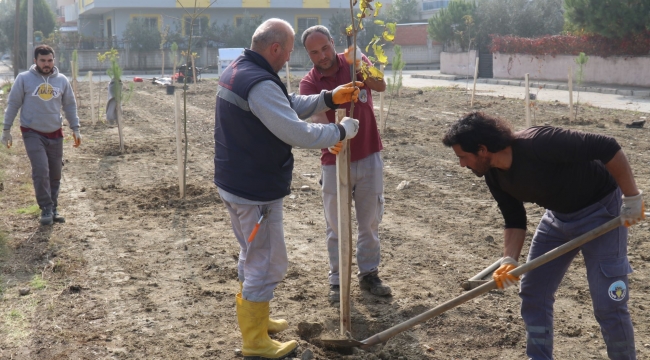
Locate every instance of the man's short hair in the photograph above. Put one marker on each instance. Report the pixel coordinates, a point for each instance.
(270, 32)
(315, 29)
(475, 129)
(43, 50)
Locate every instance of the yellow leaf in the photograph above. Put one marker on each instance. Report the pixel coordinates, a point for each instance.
(375, 73)
(348, 30)
(377, 7)
(379, 53)
(388, 37)
(379, 22)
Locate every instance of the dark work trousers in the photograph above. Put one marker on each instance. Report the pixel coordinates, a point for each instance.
(607, 269)
(46, 156)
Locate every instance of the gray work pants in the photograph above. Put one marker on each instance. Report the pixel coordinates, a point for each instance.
(366, 177)
(46, 158)
(607, 269)
(262, 262)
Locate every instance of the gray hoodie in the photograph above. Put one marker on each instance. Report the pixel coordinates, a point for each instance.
(41, 98)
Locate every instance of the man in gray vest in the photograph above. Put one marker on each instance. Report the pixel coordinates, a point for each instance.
(256, 125)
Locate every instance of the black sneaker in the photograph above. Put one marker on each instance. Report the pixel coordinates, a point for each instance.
(57, 218)
(47, 217)
(335, 294)
(372, 283)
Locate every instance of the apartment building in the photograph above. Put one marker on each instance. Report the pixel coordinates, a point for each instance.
(109, 18)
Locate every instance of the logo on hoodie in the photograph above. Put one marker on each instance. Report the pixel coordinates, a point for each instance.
(46, 92)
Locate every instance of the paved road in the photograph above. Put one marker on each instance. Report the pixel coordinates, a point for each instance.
(613, 101)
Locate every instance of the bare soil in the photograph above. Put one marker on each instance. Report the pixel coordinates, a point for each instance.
(138, 273)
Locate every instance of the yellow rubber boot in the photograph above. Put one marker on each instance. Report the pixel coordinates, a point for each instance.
(251, 317)
(274, 326)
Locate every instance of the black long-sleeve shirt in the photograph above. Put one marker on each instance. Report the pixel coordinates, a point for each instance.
(558, 169)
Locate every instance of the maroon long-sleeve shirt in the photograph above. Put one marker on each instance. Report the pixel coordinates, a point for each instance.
(558, 169)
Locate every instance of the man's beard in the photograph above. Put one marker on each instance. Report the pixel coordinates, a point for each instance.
(40, 70)
(330, 63)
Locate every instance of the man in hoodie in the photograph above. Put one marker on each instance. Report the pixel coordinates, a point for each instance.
(41, 93)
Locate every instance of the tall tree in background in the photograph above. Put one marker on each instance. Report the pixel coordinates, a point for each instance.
(44, 21)
(448, 25)
(522, 18)
(614, 19)
(403, 11)
(142, 38)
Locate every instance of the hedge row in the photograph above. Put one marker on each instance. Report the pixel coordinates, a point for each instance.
(634, 45)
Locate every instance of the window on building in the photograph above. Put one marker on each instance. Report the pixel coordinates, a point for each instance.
(239, 19)
(150, 21)
(200, 25)
(304, 22)
(434, 5)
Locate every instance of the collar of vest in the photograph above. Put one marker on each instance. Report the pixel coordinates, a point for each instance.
(260, 61)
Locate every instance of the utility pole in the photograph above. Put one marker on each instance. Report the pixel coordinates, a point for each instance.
(16, 38)
(30, 32)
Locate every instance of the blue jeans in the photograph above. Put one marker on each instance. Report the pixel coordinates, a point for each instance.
(607, 270)
(46, 158)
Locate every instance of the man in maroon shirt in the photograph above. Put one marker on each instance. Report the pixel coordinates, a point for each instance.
(583, 180)
(366, 170)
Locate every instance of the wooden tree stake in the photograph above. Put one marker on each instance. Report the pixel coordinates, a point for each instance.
(193, 69)
(527, 102)
(288, 79)
(119, 121)
(179, 143)
(73, 66)
(382, 118)
(471, 103)
(344, 191)
(92, 103)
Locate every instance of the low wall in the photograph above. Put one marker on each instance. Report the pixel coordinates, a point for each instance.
(458, 63)
(630, 71)
(132, 60)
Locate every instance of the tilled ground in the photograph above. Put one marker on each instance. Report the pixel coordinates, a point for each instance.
(138, 273)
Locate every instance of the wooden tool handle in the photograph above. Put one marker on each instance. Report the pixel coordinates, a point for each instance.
(521, 269)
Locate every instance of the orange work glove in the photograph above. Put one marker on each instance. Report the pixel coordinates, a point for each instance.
(632, 210)
(77, 138)
(349, 57)
(346, 93)
(336, 149)
(501, 276)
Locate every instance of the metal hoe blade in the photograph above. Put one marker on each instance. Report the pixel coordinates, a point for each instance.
(343, 343)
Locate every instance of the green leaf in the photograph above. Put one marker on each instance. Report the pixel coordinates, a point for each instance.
(378, 22)
(392, 27)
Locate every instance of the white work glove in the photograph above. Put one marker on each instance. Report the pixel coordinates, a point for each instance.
(349, 57)
(632, 210)
(6, 138)
(501, 276)
(351, 127)
(77, 138)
